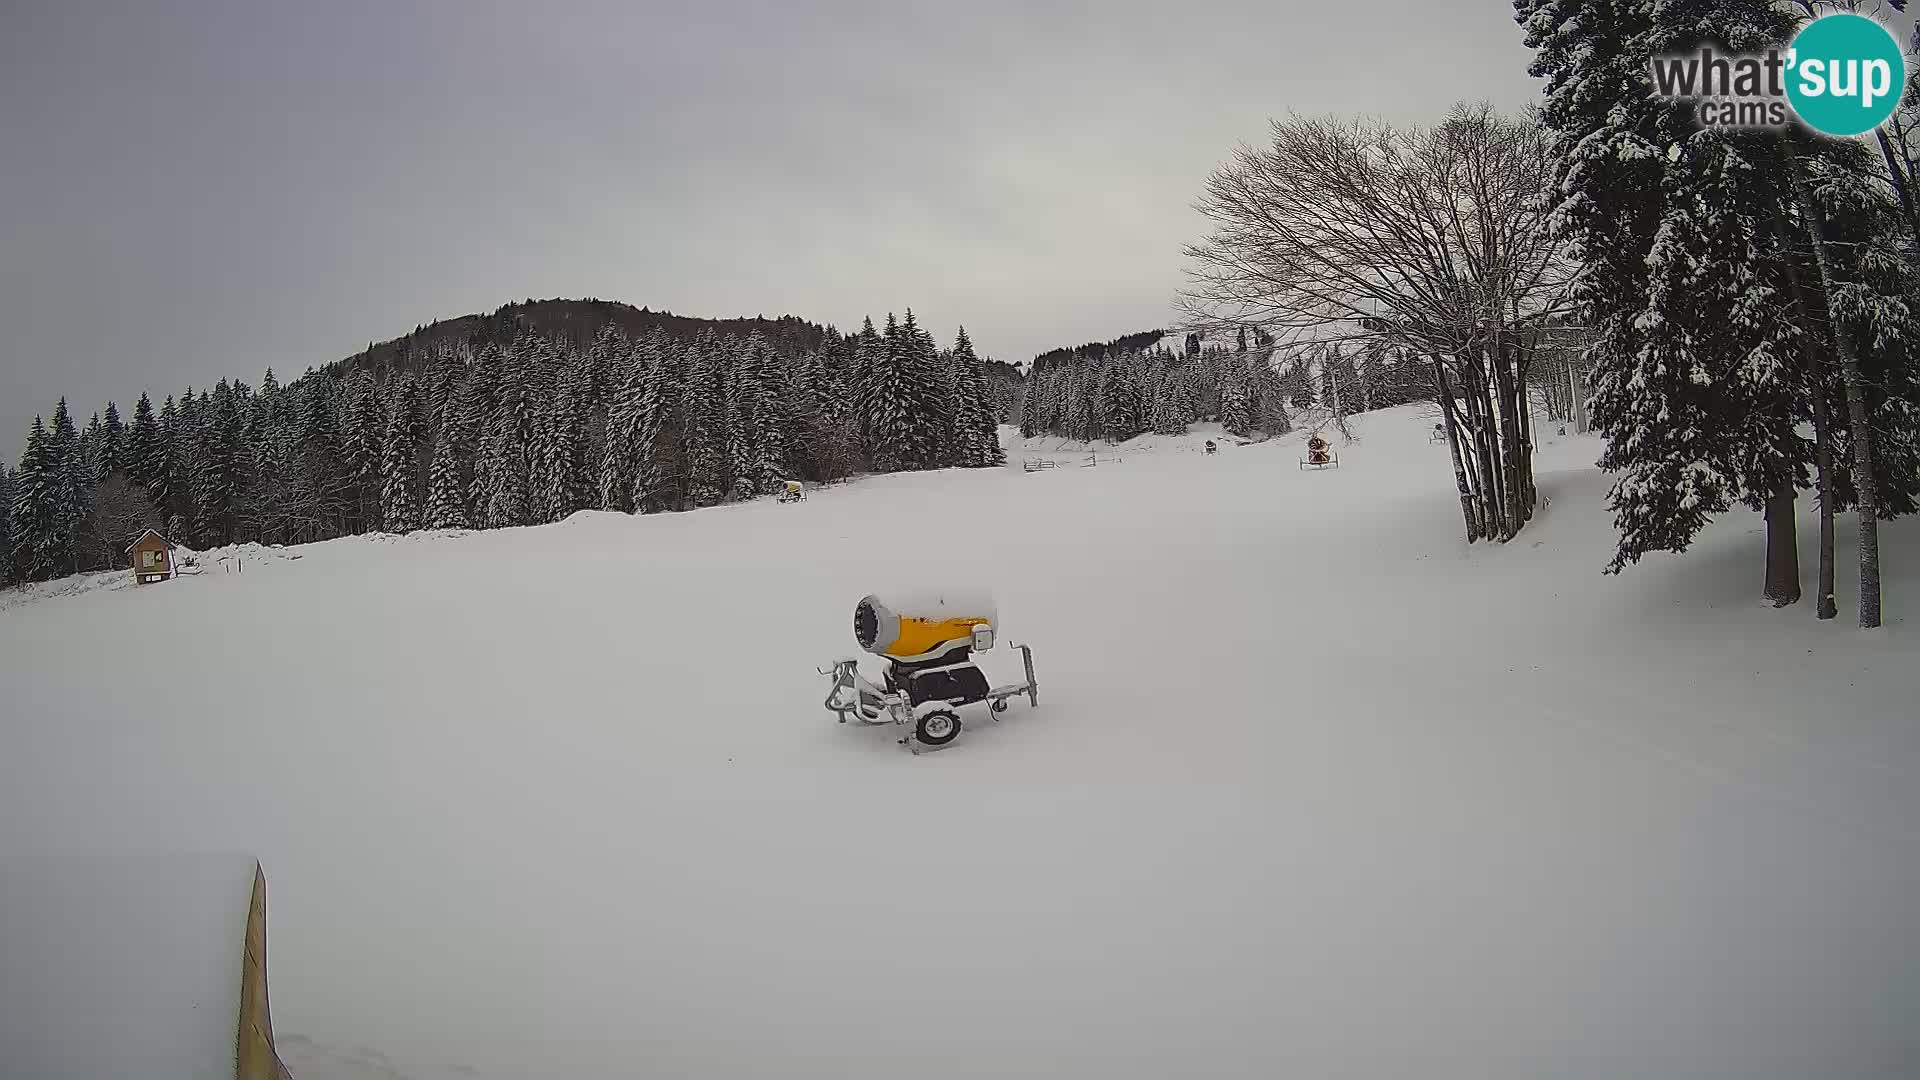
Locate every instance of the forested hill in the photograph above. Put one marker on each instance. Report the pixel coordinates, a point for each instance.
(572, 322)
(1094, 350)
(522, 417)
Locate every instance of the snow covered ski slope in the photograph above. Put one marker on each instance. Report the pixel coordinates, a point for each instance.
(1314, 789)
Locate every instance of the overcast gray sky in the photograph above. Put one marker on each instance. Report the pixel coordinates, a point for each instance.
(191, 190)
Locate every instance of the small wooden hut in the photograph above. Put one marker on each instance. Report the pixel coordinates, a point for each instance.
(151, 557)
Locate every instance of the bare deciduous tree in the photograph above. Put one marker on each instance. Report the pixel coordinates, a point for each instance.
(120, 512)
(1428, 243)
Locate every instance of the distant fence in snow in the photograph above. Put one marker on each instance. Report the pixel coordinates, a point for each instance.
(1093, 459)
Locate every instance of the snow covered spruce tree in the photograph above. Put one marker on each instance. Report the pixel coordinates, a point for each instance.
(70, 461)
(642, 402)
(6, 524)
(923, 419)
(110, 446)
(887, 400)
(701, 416)
(218, 463)
(319, 493)
(867, 352)
(469, 410)
(188, 444)
(91, 437)
(753, 418)
(764, 418)
(620, 451)
(1627, 216)
(265, 444)
(143, 443)
(1708, 344)
(560, 481)
(827, 418)
(400, 498)
(1236, 403)
(1862, 381)
(446, 489)
(440, 386)
(43, 521)
(500, 479)
(658, 402)
(180, 421)
(503, 470)
(976, 425)
(361, 427)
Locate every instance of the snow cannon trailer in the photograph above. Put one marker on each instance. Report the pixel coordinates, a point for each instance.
(928, 641)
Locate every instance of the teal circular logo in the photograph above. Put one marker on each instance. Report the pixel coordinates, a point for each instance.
(1845, 74)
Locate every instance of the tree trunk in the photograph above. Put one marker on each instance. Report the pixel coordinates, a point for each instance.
(1472, 447)
(1511, 437)
(1480, 411)
(1577, 387)
(1469, 513)
(1856, 401)
(1529, 495)
(1783, 550)
(1513, 367)
(1823, 606)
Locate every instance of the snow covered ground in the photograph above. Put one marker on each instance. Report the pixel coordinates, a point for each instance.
(234, 559)
(1313, 789)
(122, 967)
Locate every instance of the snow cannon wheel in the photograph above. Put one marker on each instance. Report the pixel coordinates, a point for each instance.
(1000, 705)
(937, 727)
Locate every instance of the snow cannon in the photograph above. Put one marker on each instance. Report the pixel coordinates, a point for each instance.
(927, 640)
(1319, 454)
(923, 626)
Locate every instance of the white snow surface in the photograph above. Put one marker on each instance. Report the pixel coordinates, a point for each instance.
(232, 559)
(938, 603)
(121, 967)
(1313, 789)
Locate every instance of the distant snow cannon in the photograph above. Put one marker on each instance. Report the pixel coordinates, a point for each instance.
(1319, 454)
(928, 639)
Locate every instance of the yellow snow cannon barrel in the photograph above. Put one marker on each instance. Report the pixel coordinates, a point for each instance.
(923, 625)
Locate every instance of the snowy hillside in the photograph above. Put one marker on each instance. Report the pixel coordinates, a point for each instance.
(122, 967)
(1313, 789)
(1065, 451)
